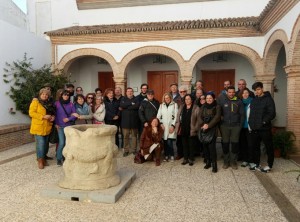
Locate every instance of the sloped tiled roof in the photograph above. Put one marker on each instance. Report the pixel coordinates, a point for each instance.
(157, 26)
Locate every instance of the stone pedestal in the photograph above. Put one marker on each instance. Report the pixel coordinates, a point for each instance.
(90, 157)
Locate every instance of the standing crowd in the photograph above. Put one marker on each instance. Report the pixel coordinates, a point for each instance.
(181, 127)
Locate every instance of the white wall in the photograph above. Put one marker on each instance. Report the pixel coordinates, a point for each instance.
(12, 14)
(14, 42)
(151, 13)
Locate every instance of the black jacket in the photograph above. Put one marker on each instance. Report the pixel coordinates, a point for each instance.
(148, 110)
(130, 117)
(233, 113)
(111, 110)
(262, 112)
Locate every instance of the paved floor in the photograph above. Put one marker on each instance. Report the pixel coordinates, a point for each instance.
(171, 192)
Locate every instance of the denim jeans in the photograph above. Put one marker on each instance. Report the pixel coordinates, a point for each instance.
(168, 147)
(61, 143)
(41, 145)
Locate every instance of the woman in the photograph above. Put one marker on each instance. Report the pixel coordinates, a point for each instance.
(84, 111)
(112, 111)
(42, 112)
(151, 140)
(244, 135)
(65, 116)
(210, 115)
(99, 111)
(90, 98)
(188, 124)
(167, 114)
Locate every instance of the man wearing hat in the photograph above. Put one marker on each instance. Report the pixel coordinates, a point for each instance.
(148, 108)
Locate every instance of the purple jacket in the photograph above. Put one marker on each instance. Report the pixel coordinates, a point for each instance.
(60, 114)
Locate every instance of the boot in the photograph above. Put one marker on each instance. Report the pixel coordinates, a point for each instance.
(41, 163)
(157, 162)
(214, 167)
(45, 162)
(208, 164)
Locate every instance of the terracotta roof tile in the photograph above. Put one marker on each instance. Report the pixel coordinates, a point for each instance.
(157, 26)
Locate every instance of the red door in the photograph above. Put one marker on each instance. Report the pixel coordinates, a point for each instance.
(105, 80)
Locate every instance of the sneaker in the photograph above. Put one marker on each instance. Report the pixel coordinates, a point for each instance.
(125, 154)
(172, 159)
(166, 159)
(244, 164)
(255, 167)
(225, 166)
(252, 166)
(266, 169)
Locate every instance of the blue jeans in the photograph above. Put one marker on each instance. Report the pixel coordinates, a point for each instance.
(41, 145)
(61, 143)
(168, 147)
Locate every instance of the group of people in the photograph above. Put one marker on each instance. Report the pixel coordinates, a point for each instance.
(173, 126)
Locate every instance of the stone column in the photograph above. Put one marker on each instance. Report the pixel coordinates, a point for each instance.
(186, 80)
(293, 102)
(120, 82)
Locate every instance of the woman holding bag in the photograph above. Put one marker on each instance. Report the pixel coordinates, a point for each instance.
(210, 115)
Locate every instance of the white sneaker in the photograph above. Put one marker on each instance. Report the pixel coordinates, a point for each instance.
(266, 169)
(244, 164)
(172, 159)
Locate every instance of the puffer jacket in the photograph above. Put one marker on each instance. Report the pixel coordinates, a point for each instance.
(262, 112)
(232, 111)
(39, 126)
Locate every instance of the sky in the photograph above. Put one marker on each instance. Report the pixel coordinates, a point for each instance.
(21, 4)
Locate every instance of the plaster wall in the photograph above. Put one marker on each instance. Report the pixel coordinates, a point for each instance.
(184, 47)
(151, 13)
(12, 14)
(14, 44)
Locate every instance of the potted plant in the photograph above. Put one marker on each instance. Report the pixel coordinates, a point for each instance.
(284, 141)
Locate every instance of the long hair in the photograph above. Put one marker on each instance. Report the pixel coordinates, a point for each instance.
(149, 127)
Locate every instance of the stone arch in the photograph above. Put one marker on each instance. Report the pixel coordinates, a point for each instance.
(242, 50)
(152, 50)
(272, 48)
(70, 57)
(294, 50)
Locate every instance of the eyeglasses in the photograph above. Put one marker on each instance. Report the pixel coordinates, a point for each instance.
(182, 91)
(90, 97)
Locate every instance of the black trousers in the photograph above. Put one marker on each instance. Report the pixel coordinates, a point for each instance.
(179, 146)
(188, 143)
(244, 148)
(255, 138)
(210, 151)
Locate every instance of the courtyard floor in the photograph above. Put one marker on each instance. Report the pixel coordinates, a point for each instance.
(170, 192)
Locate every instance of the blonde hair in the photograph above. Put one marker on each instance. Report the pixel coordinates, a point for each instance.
(166, 94)
(44, 90)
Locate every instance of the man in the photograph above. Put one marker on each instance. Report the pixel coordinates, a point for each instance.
(242, 85)
(174, 91)
(79, 90)
(140, 98)
(148, 108)
(118, 93)
(70, 87)
(223, 93)
(118, 97)
(180, 102)
(262, 112)
(130, 121)
(98, 92)
(198, 85)
(231, 124)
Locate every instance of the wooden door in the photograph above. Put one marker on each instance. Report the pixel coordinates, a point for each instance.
(105, 80)
(214, 79)
(160, 82)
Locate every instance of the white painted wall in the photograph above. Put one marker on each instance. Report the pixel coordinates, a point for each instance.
(14, 42)
(151, 13)
(12, 14)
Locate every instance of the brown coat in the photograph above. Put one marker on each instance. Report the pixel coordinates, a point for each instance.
(147, 139)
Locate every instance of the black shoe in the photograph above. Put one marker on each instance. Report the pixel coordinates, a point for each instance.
(214, 167)
(48, 158)
(191, 163)
(208, 165)
(125, 154)
(184, 162)
(59, 163)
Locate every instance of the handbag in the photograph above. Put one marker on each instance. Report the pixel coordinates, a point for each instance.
(53, 136)
(206, 136)
(139, 158)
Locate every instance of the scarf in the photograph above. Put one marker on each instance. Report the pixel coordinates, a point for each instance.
(50, 109)
(210, 106)
(62, 101)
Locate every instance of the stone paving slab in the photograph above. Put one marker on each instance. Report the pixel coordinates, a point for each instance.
(170, 192)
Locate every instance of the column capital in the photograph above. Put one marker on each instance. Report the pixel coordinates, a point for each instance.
(119, 79)
(292, 70)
